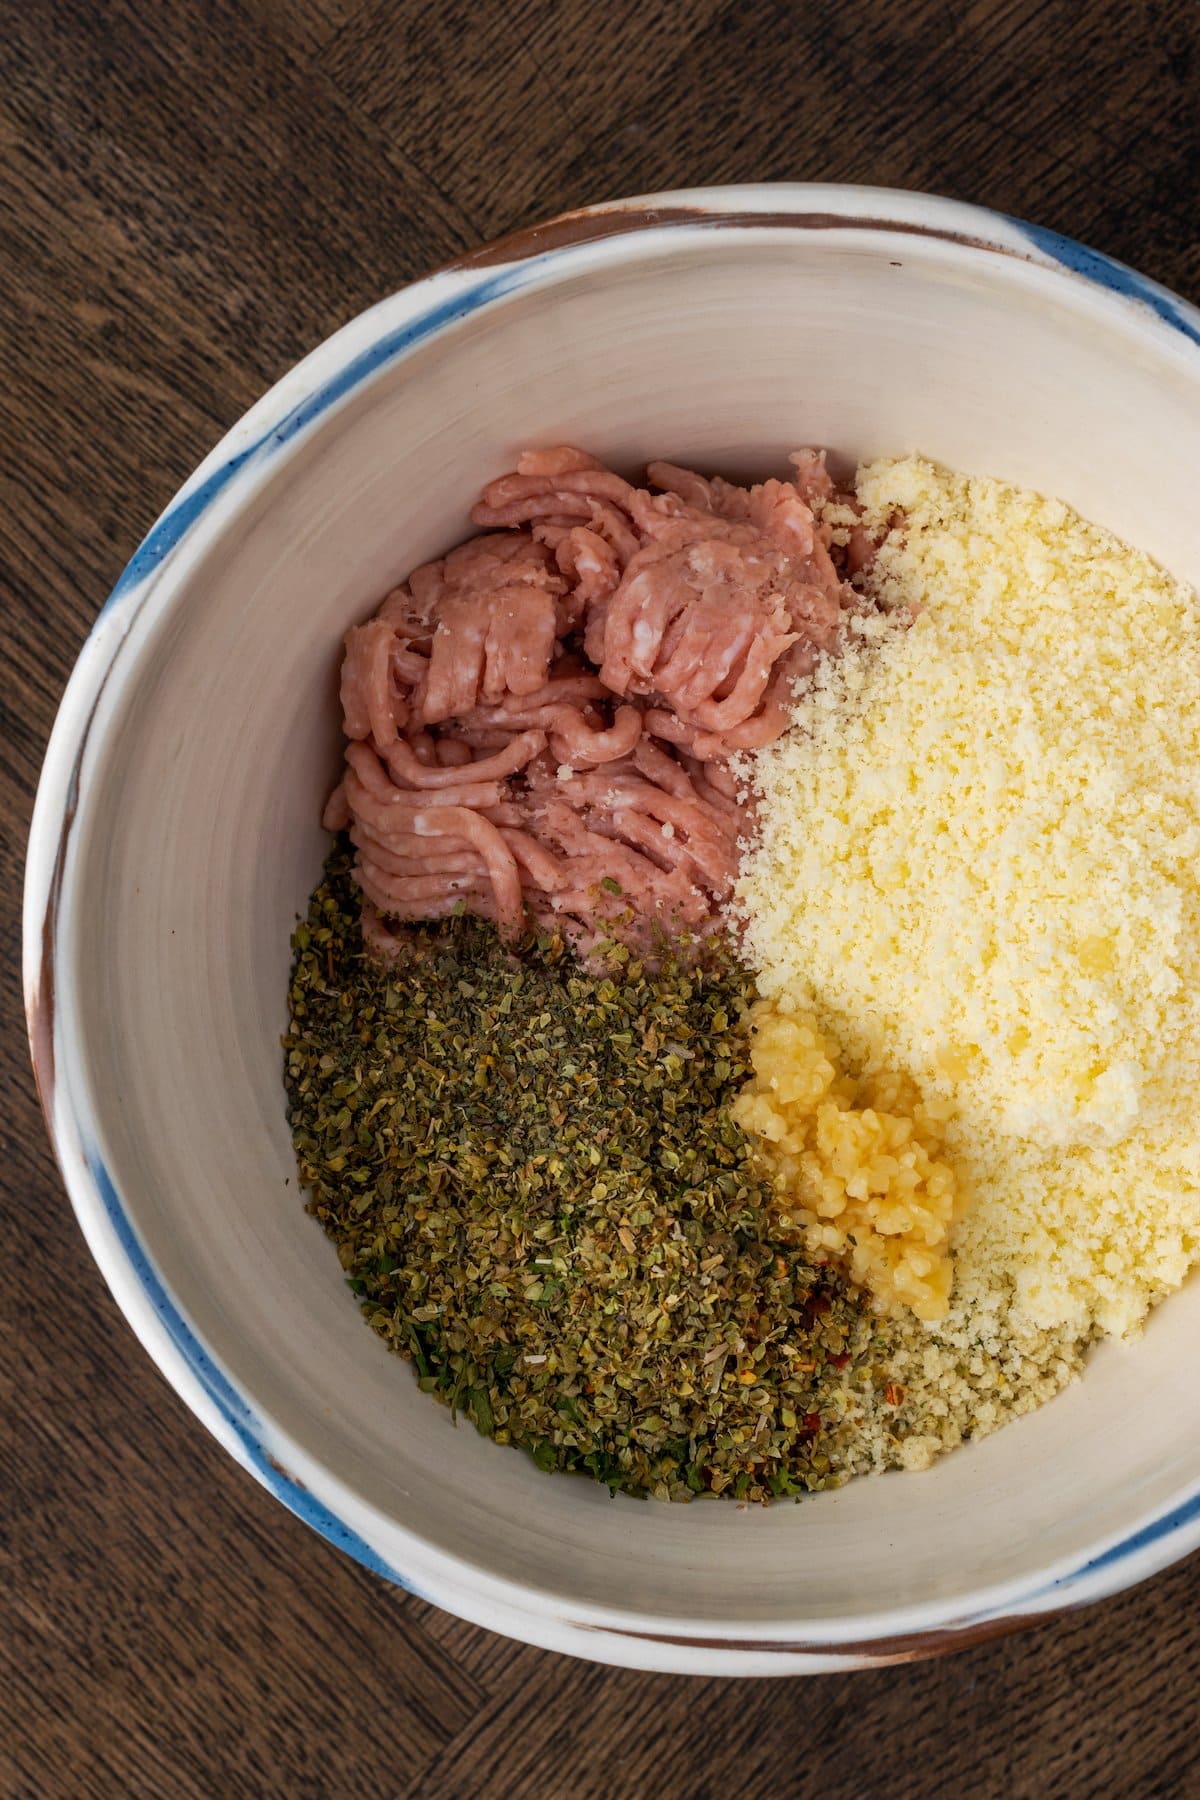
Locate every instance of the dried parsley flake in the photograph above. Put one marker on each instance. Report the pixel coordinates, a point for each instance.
(539, 1196)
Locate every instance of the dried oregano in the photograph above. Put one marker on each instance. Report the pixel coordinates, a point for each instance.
(538, 1194)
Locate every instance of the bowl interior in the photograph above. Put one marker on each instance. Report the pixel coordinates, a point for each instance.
(198, 841)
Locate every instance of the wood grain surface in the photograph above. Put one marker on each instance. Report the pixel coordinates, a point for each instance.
(195, 193)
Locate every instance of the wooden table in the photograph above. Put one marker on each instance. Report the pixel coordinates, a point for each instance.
(199, 192)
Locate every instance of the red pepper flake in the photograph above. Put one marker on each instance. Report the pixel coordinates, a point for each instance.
(894, 1393)
(812, 1421)
(839, 1362)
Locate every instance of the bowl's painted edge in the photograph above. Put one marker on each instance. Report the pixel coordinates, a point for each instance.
(483, 277)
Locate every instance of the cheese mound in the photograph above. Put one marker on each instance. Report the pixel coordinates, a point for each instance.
(857, 1165)
(980, 863)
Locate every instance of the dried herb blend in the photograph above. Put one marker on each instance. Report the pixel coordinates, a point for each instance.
(538, 1193)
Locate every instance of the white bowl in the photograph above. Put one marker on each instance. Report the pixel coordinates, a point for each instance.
(176, 838)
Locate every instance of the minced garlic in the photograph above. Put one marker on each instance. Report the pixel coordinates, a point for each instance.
(980, 863)
(856, 1164)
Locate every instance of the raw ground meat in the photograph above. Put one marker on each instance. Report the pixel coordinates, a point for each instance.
(539, 724)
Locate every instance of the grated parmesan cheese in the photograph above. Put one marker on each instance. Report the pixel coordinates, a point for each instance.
(980, 863)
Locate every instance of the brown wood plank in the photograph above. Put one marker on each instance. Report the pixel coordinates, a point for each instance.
(979, 1723)
(193, 195)
(1006, 102)
(543, 87)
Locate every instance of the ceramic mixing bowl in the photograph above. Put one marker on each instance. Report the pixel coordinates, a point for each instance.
(177, 836)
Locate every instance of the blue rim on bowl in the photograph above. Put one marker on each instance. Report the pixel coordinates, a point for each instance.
(379, 337)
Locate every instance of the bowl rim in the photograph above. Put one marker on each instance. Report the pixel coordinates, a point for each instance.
(220, 486)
